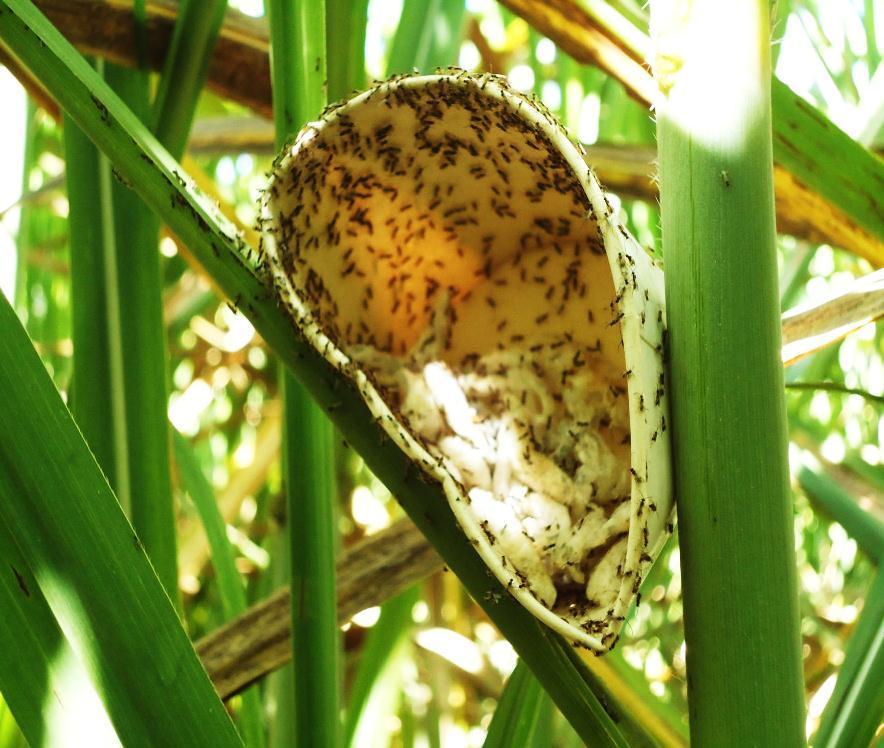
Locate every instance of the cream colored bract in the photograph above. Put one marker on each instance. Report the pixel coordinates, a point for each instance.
(442, 242)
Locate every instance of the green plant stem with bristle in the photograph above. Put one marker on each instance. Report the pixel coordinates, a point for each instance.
(214, 242)
(114, 612)
(298, 69)
(730, 459)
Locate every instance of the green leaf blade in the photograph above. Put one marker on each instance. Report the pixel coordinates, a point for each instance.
(91, 567)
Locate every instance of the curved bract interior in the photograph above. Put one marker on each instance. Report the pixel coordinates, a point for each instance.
(434, 242)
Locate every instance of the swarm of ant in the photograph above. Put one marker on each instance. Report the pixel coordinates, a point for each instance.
(442, 242)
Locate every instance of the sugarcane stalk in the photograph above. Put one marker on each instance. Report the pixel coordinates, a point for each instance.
(712, 66)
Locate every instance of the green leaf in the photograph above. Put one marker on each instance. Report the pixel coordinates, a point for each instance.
(802, 136)
(863, 527)
(41, 679)
(230, 585)
(517, 716)
(377, 653)
(134, 318)
(43, 683)
(428, 36)
(854, 710)
(411, 42)
(90, 565)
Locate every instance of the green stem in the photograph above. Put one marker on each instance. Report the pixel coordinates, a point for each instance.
(136, 314)
(309, 469)
(345, 22)
(24, 238)
(280, 684)
(835, 387)
(137, 333)
(298, 63)
(730, 458)
(91, 246)
(184, 72)
(299, 93)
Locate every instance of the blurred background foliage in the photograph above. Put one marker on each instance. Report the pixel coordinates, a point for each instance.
(432, 672)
